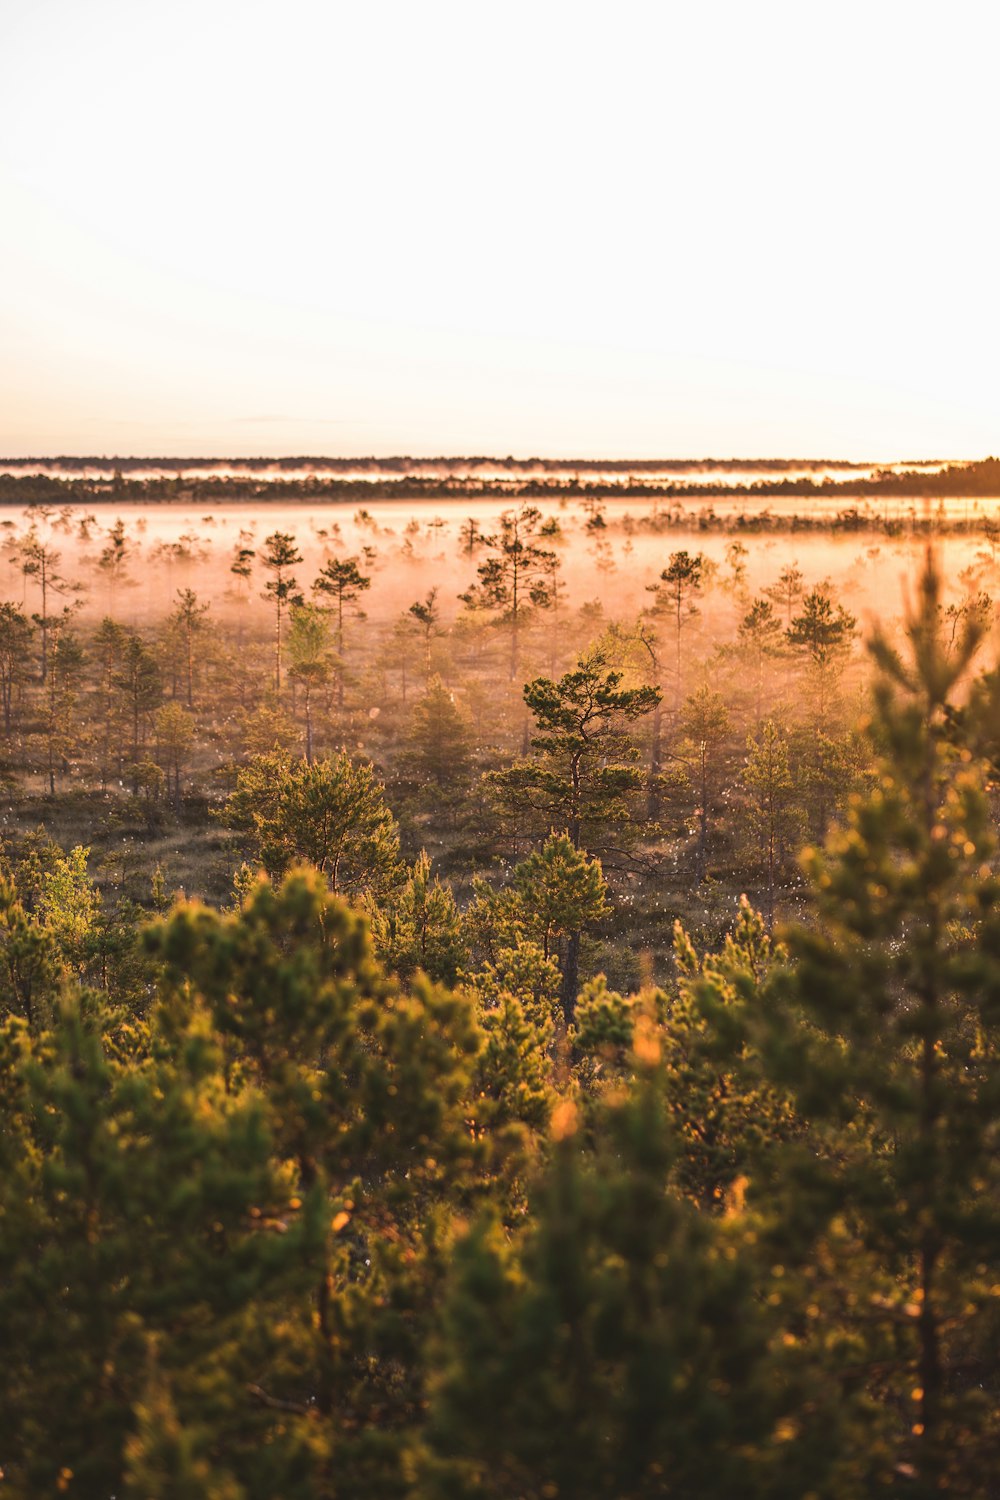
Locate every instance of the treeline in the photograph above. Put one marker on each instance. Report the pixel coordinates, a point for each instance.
(405, 463)
(979, 480)
(341, 1190)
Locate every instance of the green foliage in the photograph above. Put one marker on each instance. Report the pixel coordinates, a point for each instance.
(189, 622)
(603, 1023)
(293, 979)
(619, 1348)
(560, 890)
(30, 970)
(61, 691)
(297, 1201)
(823, 630)
(726, 1111)
(516, 577)
(165, 1461)
(341, 581)
(788, 590)
(331, 814)
(774, 819)
(888, 1031)
(15, 638)
(675, 594)
(821, 639)
(513, 1080)
(69, 906)
(128, 1212)
(364, 1089)
(139, 689)
(759, 640)
(420, 927)
(174, 728)
(310, 657)
(435, 760)
(524, 972)
(308, 643)
(426, 614)
(704, 726)
(584, 769)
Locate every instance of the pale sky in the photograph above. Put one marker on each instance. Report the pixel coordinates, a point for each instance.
(622, 230)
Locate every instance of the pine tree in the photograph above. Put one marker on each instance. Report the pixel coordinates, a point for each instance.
(618, 1347)
(675, 594)
(428, 616)
(759, 640)
(435, 758)
(561, 893)
(165, 1460)
(174, 728)
(821, 637)
(787, 591)
(891, 1032)
(241, 568)
(138, 683)
(420, 927)
(332, 815)
(41, 561)
(131, 1211)
(727, 1113)
(60, 729)
(341, 581)
(773, 816)
(516, 577)
(704, 726)
(30, 968)
(309, 657)
(15, 639)
(109, 644)
(583, 772)
(114, 558)
(281, 555)
(513, 1078)
(365, 1092)
(188, 620)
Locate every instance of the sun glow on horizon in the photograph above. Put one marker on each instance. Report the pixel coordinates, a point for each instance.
(452, 229)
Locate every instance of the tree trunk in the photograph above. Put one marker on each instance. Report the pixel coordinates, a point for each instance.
(44, 624)
(702, 821)
(655, 766)
(340, 651)
(571, 978)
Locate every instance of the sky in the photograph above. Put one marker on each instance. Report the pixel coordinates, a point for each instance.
(629, 230)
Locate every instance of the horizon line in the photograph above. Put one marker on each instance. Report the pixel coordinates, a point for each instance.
(485, 458)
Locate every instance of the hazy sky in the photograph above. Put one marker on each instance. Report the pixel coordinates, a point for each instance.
(662, 229)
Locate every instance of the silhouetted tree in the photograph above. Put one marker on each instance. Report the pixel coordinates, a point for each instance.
(279, 557)
(515, 577)
(341, 580)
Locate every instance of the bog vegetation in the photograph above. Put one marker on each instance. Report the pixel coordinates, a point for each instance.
(501, 1007)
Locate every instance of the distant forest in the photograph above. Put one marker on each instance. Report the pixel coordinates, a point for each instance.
(402, 477)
